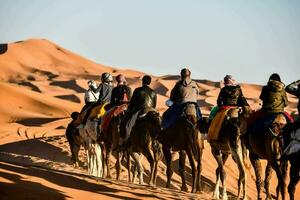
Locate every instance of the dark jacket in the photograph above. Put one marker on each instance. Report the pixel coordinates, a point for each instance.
(184, 91)
(142, 97)
(231, 96)
(118, 95)
(273, 97)
(294, 89)
(105, 91)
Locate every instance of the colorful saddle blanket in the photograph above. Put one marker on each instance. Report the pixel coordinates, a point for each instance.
(174, 112)
(216, 124)
(113, 112)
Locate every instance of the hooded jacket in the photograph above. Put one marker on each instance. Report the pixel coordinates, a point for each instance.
(231, 95)
(273, 97)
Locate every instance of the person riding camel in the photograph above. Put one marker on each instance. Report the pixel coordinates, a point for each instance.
(142, 99)
(230, 96)
(120, 97)
(104, 90)
(121, 94)
(274, 100)
(183, 99)
(294, 89)
(273, 95)
(90, 97)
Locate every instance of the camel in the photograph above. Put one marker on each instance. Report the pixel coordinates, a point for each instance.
(229, 142)
(267, 144)
(292, 153)
(90, 134)
(183, 137)
(74, 139)
(142, 140)
(111, 137)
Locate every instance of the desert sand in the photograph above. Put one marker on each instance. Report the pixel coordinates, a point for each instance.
(41, 84)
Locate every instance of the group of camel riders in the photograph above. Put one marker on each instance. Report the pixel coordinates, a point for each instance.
(183, 98)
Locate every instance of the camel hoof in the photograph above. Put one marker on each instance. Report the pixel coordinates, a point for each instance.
(152, 184)
(76, 165)
(216, 195)
(184, 189)
(268, 197)
(108, 176)
(142, 183)
(225, 197)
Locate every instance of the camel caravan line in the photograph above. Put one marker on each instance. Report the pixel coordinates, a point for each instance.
(231, 129)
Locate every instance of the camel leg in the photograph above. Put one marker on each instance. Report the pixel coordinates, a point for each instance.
(137, 158)
(182, 156)
(217, 156)
(258, 171)
(150, 159)
(99, 164)
(199, 169)
(107, 160)
(194, 169)
(238, 157)
(135, 173)
(281, 178)
(220, 174)
(268, 176)
(223, 177)
(128, 164)
(156, 161)
(294, 178)
(168, 158)
(118, 165)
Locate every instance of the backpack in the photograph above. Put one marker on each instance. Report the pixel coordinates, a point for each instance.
(90, 96)
(123, 95)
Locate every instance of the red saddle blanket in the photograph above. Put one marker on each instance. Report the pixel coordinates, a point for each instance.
(113, 112)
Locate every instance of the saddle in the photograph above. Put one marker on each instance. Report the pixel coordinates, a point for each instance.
(217, 122)
(174, 112)
(96, 113)
(274, 121)
(113, 112)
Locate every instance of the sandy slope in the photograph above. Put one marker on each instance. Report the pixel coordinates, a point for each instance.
(41, 83)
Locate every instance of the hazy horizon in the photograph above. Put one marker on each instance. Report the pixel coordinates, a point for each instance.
(249, 40)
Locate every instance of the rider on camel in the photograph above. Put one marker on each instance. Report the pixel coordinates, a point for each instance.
(184, 99)
(90, 97)
(274, 100)
(273, 95)
(104, 90)
(230, 96)
(121, 94)
(143, 97)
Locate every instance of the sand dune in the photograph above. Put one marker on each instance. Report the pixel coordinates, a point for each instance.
(41, 83)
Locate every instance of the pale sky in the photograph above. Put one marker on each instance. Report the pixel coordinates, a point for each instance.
(247, 39)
